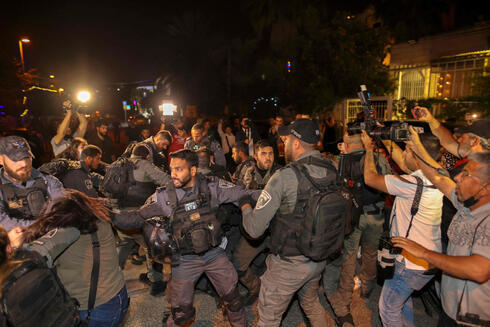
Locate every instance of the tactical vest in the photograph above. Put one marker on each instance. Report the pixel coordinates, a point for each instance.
(255, 184)
(351, 174)
(25, 203)
(195, 226)
(302, 230)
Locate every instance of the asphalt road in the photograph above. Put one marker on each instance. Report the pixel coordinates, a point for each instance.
(147, 311)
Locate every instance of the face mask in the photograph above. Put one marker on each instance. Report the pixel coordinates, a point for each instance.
(471, 201)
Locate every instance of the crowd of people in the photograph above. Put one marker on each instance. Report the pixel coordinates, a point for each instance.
(280, 211)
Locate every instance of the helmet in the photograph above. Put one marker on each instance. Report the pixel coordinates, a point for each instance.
(161, 244)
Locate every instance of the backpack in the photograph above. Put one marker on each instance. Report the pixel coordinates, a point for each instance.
(321, 234)
(118, 178)
(59, 167)
(34, 296)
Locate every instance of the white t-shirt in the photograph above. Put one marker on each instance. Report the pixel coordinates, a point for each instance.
(426, 223)
(63, 145)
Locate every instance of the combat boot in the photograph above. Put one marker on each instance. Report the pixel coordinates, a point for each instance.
(252, 283)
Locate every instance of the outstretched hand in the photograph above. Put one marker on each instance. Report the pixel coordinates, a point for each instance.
(16, 237)
(410, 246)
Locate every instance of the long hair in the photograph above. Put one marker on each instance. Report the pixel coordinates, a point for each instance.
(70, 152)
(6, 264)
(74, 209)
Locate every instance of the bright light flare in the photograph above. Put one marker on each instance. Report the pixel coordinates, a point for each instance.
(25, 40)
(83, 96)
(168, 109)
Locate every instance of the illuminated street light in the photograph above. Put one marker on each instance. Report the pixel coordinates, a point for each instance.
(60, 89)
(23, 40)
(83, 96)
(51, 76)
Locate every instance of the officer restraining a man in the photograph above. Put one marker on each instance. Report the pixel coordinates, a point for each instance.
(190, 202)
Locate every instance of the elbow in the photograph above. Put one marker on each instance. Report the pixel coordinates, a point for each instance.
(480, 276)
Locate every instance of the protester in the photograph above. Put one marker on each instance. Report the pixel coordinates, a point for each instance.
(101, 139)
(73, 151)
(63, 136)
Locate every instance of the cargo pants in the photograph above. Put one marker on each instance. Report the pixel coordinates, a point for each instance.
(220, 271)
(367, 236)
(282, 279)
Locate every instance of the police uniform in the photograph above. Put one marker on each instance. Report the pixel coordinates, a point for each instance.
(286, 274)
(83, 180)
(241, 169)
(219, 156)
(21, 203)
(197, 232)
(247, 249)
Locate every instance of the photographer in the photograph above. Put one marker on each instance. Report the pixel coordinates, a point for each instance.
(247, 134)
(465, 289)
(416, 222)
(364, 211)
(63, 136)
(474, 138)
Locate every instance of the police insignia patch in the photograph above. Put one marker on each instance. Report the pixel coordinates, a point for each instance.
(225, 184)
(89, 184)
(51, 233)
(263, 200)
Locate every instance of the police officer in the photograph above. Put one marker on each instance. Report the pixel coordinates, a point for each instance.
(364, 210)
(83, 179)
(146, 176)
(156, 144)
(256, 177)
(23, 190)
(198, 139)
(287, 274)
(206, 166)
(239, 153)
(190, 202)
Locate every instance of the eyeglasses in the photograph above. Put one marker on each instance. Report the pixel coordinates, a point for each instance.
(465, 174)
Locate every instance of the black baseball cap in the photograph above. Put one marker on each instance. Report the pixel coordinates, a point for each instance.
(479, 127)
(304, 129)
(15, 147)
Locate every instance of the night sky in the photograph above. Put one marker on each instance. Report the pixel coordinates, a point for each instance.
(105, 42)
(95, 42)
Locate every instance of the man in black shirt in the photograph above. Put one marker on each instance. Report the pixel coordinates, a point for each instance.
(103, 141)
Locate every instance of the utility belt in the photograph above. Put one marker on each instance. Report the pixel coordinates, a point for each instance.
(197, 233)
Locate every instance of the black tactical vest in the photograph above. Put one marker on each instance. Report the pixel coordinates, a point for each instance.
(255, 184)
(195, 226)
(25, 203)
(290, 232)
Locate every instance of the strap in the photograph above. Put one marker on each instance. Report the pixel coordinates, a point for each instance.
(416, 202)
(94, 276)
(172, 195)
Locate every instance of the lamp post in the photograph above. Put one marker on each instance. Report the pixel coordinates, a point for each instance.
(23, 40)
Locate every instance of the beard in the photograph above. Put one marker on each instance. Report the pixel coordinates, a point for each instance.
(22, 177)
(464, 149)
(288, 152)
(266, 165)
(179, 183)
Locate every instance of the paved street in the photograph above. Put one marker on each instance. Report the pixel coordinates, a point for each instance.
(147, 311)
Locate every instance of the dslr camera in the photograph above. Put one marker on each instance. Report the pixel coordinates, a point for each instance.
(386, 243)
(397, 132)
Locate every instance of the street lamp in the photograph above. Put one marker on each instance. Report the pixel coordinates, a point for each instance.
(23, 40)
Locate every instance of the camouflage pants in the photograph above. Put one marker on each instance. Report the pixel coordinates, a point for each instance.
(282, 279)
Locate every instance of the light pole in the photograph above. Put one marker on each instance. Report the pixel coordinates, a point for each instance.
(23, 40)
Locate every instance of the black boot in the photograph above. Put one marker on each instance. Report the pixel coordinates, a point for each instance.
(158, 288)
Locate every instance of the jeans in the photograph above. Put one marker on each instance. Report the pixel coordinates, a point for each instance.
(109, 314)
(395, 302)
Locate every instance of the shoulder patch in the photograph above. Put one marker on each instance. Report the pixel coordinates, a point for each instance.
(225, 184)
(51, 233)
(263, 200)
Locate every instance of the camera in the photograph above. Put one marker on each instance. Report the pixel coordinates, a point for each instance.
(397, 132)
(385, 243)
